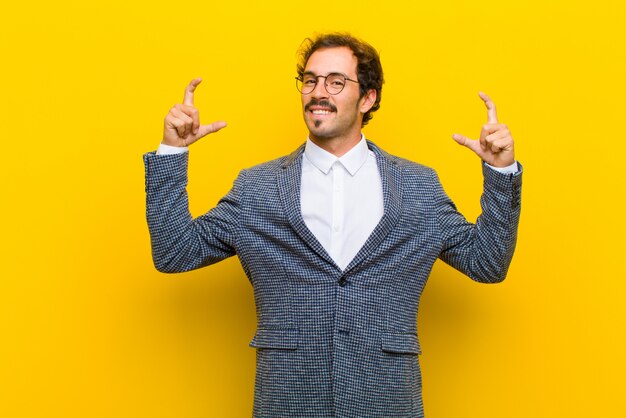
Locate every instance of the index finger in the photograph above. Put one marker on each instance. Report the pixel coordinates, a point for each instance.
(188, 100)
(492, 116)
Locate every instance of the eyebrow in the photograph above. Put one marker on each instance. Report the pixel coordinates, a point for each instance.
(332, 72)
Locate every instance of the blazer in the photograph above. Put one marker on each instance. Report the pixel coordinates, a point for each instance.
(333, 343)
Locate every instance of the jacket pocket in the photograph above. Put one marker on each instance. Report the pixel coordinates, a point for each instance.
(400, 343)
(285, 338)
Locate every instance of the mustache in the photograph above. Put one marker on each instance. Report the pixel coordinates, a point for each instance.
(322, 103)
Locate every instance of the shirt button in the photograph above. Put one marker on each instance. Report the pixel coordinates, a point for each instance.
(342, 282)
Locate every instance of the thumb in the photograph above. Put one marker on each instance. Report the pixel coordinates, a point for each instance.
(472, 144)
(204, 130)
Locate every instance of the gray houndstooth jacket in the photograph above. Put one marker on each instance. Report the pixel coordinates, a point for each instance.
(333, 343)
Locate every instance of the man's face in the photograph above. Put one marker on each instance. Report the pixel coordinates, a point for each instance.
(333, 116)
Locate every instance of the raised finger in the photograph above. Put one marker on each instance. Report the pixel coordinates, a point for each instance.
(191, 87)
(467, 142)
(492, 116)
(210, 128)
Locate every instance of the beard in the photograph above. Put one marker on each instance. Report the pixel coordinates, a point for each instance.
(336, 125)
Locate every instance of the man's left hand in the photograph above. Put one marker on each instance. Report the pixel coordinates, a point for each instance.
(495, 145)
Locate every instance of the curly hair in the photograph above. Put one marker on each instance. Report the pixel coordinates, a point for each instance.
(369, 69)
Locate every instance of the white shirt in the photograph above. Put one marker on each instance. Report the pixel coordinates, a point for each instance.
(341, 198)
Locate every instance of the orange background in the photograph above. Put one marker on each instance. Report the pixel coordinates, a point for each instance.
(90, 329)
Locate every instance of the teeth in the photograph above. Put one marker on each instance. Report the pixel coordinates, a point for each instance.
(321, 112)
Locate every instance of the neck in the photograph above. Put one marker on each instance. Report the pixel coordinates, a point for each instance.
(337, 146)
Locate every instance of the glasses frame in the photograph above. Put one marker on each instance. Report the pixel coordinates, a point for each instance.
(299, 79)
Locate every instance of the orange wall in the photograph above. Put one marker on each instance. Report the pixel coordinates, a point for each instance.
(90, 329)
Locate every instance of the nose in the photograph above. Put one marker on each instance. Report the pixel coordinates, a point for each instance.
(320, 89)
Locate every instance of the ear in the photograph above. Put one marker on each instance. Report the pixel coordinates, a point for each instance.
(367, 101)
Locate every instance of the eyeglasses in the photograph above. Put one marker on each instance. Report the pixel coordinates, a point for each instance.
(334, 83)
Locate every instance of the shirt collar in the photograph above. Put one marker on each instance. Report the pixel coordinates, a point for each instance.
(353, 160)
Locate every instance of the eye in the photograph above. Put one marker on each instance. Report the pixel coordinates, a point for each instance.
(336, 80)
(309, 81)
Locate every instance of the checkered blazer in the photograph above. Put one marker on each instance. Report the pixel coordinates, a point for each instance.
(333, 343)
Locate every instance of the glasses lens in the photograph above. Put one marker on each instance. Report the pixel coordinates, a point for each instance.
(307, 84)
(335, 83)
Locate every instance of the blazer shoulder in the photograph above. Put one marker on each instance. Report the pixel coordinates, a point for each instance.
(412, 170)
(413, 167)
(418, 176)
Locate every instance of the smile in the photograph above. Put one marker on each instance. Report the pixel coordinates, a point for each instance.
(321, 112)
(320, 107)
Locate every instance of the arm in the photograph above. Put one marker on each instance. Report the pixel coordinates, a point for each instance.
(180, 243)
(482, 251)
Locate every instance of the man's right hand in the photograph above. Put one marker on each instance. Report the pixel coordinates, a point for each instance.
(182, 124)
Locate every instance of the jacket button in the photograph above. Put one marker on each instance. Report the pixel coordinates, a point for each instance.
(342, 282)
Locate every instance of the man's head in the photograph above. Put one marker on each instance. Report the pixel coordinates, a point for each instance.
(331, 113)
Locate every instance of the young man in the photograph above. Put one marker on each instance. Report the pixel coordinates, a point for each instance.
(337, 239)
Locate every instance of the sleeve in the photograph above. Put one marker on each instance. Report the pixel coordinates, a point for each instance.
(484, 250)
(165, 149)
(180, 243)
(509, 169)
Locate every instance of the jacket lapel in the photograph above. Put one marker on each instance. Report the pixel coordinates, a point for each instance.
(391, 177)
(289, 184)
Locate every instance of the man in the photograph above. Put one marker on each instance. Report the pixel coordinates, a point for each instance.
(337, 239)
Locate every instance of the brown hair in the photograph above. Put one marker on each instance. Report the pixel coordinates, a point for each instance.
(369, 70)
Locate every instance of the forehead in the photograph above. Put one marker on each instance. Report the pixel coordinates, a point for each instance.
(332, 60)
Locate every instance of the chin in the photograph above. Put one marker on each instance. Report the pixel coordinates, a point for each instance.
(320, 133)
(317, 131)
